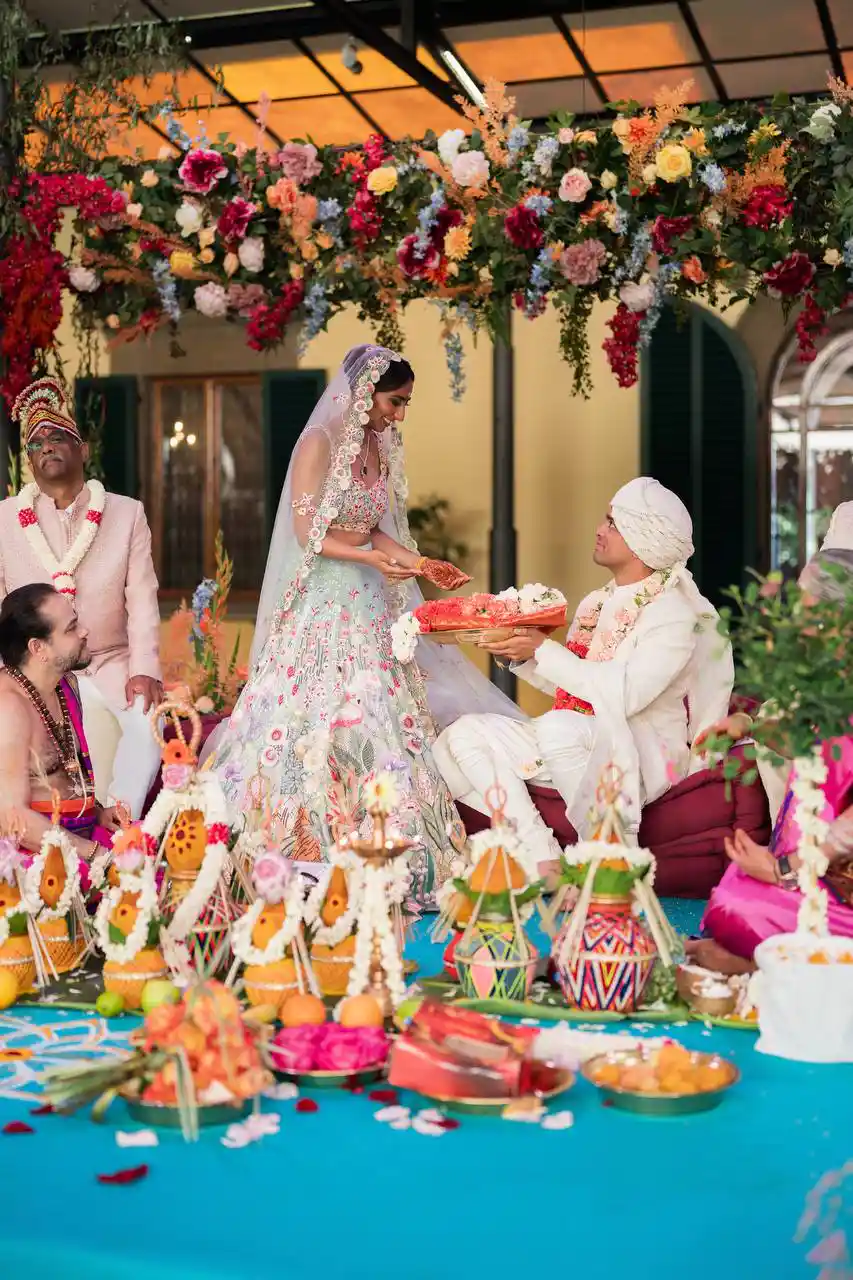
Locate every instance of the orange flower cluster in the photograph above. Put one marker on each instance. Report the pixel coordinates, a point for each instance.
(297, 210)
(207, 1028)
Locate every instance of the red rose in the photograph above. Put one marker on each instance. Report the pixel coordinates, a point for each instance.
(94, 517)
(218, 833)
(790, 277)
(234, 220)
(767, 206)
(811, 324)
(201, 170)
(621, 349)
(665, 230)
(268, 321)
(522, 228)
(26, 517)
(416, 261)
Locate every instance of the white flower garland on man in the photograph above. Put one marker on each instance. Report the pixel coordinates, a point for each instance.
(61, 571)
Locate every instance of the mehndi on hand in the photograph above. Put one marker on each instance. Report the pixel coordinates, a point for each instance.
(442, 574)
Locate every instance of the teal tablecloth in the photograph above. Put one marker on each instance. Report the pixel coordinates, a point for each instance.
(338, 1196)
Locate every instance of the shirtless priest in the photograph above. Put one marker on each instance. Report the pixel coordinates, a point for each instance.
(643, 672)
(96, 548)
(42, 744)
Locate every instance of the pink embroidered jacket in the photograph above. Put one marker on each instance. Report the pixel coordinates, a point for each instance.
(116, 583)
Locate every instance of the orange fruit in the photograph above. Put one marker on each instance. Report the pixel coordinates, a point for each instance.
(490, 874)
(302, 1011)
(361, 1011)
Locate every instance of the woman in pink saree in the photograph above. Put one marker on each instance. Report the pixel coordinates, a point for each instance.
(758, 895)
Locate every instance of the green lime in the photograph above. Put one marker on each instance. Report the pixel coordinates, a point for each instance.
(110, 1004)
(159, 991)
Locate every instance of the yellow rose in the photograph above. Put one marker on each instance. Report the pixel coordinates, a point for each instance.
(182, 264)
(673, 163)
(381, 181)
(113, 322)
(650, 175)
(608, 180)
(587, 136)
(149, 178)
(206, 256)
(832, 257)
(309, 250)
(297, 271)
(206, 237)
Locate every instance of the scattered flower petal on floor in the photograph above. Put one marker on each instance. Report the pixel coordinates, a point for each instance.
(448, 1122)
(283, 1092)
(307, 1104)
(388, 1115)
(46, 1110)
(558, 1120)
(124, 1176)
(17, 1126)
(427, 1129)
(252, 1129)
(432, 1114)
(138, 1138)
(403, 1123)
(384, 1095)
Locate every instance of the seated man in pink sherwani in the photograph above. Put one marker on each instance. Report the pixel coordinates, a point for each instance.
(94, 547)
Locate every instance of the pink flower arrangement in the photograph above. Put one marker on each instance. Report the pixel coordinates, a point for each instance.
(243, 298)
(299, 162)
(581, 263)
(201, 170)
(329, 1047)
(575, 186)
(176, 776)
(234, 220)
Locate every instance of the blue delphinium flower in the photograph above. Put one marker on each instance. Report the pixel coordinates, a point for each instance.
(713, 177)
(517, 140)
(539, 204)
(167, 288)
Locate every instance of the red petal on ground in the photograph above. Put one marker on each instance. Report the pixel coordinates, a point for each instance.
(608, 1102)
(307, 1104)
(18, 1126)
(447, 1122)
(384, 1095)
(352, 1085)
(46, 1110)
(123, 1176)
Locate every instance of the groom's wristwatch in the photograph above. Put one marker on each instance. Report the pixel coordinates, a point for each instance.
(785, 873)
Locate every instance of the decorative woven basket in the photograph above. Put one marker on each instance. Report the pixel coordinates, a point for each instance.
(128, 980)
(332, 966)
(16, 957)
(64, 951)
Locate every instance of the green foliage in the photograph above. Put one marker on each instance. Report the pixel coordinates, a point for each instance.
(793, 654)
(608, 880)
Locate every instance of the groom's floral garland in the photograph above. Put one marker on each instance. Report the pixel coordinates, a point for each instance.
(61, 571)
(585, 642)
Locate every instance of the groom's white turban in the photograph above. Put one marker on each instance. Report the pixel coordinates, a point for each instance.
(654, 522)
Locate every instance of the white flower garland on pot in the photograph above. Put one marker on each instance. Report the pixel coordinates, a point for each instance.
(204, 795)
(54, 838)
(276, 948)
(373, 920)
(330, 935)
(143, 884)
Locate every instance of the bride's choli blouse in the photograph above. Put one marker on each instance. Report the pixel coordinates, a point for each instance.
(363, 506)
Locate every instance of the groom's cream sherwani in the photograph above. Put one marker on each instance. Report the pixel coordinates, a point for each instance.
(117, 604)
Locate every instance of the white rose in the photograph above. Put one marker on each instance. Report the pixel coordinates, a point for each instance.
(211, 300)
(470, 169)
(83, 279)
(821, 126)
(134, 212)
(650, 175)
(449, 143)
(251, 254)
(637, 297)
(608, 180)
(189, 218)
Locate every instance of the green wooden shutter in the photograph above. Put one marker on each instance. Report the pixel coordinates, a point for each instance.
(107, 411)
(699, 433)
(289, 397)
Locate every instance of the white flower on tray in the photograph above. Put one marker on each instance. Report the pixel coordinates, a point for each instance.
(535, 596)
(404, 637)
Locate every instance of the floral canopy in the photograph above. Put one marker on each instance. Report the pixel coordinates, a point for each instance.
(674, 202)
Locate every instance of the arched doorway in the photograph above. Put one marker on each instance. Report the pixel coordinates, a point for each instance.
(811, 444)
(699, 437)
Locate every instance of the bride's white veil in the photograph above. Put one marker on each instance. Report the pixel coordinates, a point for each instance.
(318, 475)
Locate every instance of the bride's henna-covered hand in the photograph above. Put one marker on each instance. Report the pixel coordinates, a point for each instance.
(443, 574)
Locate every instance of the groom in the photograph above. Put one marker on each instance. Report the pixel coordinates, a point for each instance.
(95, 548)
(642, 673)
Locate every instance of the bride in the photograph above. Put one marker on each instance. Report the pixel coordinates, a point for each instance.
(327, 705)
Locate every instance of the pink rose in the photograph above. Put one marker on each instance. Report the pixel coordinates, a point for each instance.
(131, 859)
(565, 137)
(351, 1048)
(245, 297)
(10, 859)
(271, 876)
(234, 220)
(575, 186)
(581, 263)
(294, 1048)
(637, 297)
(299, 162)
(201, 170)
(176, 776)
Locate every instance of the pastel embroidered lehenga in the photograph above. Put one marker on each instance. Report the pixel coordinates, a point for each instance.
(327, 705)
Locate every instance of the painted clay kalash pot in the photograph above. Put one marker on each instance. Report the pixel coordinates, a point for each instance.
(128, 977)
(493, 957)
(608, 944)
(189, 821)
(269, 940)
(16, 952)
